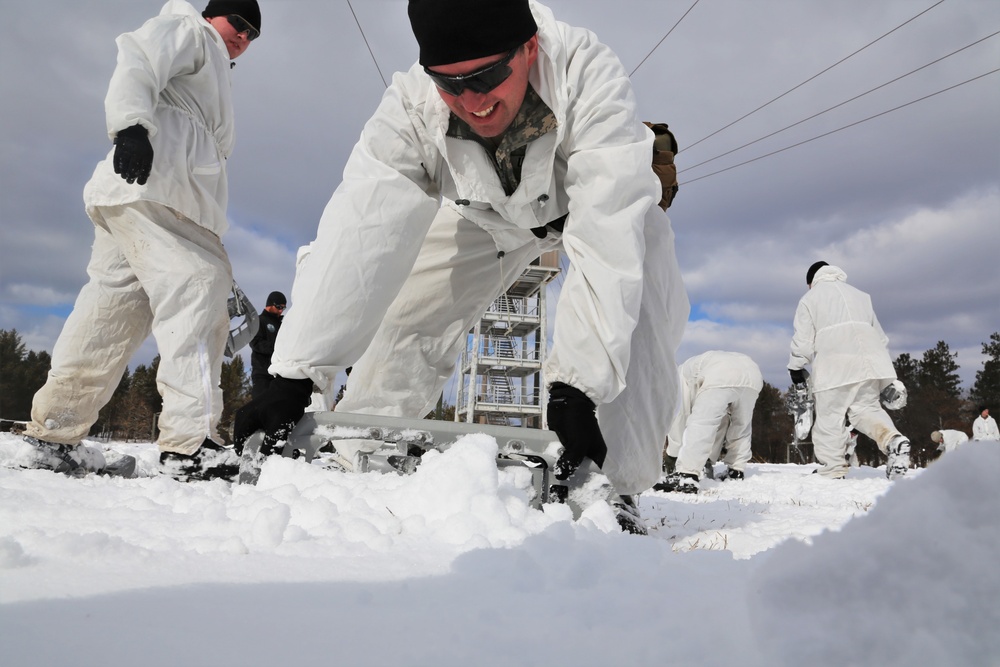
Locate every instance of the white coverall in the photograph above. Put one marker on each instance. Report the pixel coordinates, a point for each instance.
(719, 391)
(394, 273)
(951, 439)
(985, 429)
(837, 332)
(157, 263)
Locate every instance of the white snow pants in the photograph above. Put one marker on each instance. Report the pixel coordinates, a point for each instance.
(725, 412)
(150, 270)
(859, 405)
(455, 278)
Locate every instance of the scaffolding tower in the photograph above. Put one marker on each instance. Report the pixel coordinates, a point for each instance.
(501, 368)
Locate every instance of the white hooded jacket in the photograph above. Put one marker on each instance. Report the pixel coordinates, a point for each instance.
(594, 166)
(172, 78)
(837, 332)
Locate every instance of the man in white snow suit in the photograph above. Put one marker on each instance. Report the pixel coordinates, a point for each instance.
(948, 439)
(719, 391)
(526, 129)
(836, 331)
(158, 204)
(985, 427)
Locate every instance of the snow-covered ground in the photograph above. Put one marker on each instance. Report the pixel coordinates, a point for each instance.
(450, 566)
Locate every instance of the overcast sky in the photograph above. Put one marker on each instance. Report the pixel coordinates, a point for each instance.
(908, 204)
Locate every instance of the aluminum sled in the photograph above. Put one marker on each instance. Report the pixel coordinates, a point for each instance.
(371, 443)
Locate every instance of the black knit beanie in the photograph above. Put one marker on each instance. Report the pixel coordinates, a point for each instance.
(276, 298)
(812, 271)
(248, 9)
(451, 31)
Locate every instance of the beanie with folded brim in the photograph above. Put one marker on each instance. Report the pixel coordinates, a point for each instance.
(812, 271)
(452, 31)
(248, 9)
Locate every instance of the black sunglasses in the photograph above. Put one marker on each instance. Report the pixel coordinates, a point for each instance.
(240, 24)
(480, 81)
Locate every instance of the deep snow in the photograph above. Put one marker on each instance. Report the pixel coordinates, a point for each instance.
(450, 566)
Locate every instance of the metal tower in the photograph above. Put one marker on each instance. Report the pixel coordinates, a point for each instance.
(501, 369)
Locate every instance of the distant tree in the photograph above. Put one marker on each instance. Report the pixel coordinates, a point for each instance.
(939, 369)
(907, 371)
(771, 427)
(986, 390)
(442, 412)
(109, 419)
(235, 393)
(933, 399)
(142, 402)
(22, 373)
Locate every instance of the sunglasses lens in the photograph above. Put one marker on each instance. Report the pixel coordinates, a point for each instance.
(478, 82)
(240, 24)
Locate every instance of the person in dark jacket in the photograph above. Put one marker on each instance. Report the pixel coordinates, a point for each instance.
(262, 344)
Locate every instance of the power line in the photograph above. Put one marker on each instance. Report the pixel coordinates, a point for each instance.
(826, 134)
(664, 37)
(370, 52)
(813, 76)
(815, 115)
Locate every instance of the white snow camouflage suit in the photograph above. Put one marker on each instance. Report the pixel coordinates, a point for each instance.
(157, 262)
(394, 281)
(837, 332)
(719, 392)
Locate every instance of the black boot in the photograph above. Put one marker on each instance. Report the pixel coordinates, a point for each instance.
(211, 461)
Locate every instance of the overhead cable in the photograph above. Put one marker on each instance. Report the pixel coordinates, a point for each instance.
(826, 134)
(364, 37)
(813, 77)
(664, 38)
(788, 127)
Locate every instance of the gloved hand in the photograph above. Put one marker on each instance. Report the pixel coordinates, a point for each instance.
(133, 154)
(798, 375)
(573, 417)
(276, 412)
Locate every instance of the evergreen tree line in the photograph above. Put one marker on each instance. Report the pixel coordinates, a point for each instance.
(134, 407)
(935, 400)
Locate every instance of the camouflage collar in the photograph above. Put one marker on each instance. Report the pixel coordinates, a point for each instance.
(533, 120)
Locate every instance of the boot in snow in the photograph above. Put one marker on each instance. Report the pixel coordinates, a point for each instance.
(72, 460)
(211, 461)
(627, 513)
(682, 482)
(899, 457)
(731, 473)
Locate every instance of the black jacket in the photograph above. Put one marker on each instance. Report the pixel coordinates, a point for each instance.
(262, 344)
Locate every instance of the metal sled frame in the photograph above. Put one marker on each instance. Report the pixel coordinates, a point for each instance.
(402, 441)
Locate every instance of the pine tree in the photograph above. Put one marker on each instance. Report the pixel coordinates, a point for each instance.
(109, 419)
(933, 401)
(22, 373)
(235, 393)
(939, 369)
(771, 427)
(986, 390)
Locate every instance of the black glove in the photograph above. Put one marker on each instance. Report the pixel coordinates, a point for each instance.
(133, 154)
(798, 375)
(573, 418)
(276, 412)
